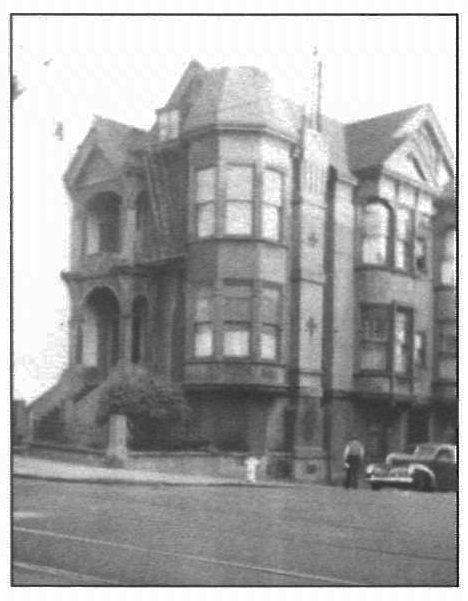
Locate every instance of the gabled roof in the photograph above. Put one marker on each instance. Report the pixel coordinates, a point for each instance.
(194, 69)
(370, 141)
(116, 140)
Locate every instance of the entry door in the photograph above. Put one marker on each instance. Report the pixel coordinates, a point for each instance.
(376, 441)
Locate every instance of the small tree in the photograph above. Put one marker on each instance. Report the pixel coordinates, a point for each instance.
(156, 410)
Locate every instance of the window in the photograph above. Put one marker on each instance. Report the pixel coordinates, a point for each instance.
(237, 320)
(402, 342)
(271, 204)
(448, 351)
(205, 201)
(270, 323)
(239, 196)
(168, 124)
(420, 255)
(374, 338)
(403, 239)
(376, 233)
(203, 330)
(420, 349)
(448, 259)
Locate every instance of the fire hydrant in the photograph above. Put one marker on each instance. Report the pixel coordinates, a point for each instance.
(251, 463)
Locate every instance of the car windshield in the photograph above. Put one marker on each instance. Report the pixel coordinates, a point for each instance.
(423, 450)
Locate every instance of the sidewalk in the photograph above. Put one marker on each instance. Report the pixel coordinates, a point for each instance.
(45, 469)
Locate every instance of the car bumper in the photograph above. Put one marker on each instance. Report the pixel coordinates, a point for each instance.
(395, 480)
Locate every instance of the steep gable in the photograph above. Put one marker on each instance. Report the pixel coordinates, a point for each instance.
(96, 168)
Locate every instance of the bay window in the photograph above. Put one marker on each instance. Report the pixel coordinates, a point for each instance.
(447, 274)
(205, 202)
(404, 236)
(237, 317)
(375, 336)
(239, 200)
(376, 226)
(203, 326)
(270, 323)
(271, 204)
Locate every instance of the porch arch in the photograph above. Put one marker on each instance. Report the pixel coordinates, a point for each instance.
(100, 329)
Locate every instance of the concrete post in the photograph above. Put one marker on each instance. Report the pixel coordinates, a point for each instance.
(116, 454)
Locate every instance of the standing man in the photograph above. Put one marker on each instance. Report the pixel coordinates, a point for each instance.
(353, 457)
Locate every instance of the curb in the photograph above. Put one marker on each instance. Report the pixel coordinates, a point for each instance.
(155, 483)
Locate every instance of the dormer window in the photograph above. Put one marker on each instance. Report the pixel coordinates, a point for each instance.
(168, 125)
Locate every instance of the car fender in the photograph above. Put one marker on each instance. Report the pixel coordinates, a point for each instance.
(420, 467)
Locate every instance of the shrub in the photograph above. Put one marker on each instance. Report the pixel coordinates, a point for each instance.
(156, 410)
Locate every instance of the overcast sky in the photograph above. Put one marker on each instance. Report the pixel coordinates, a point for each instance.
(125, 67)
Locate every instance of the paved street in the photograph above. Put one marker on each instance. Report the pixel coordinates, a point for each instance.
(134, 535)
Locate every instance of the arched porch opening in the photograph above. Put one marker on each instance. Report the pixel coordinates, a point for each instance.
(100, 330)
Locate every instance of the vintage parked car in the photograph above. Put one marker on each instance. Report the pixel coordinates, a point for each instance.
(431, 466)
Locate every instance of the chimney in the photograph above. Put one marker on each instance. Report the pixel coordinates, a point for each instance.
(313, 107)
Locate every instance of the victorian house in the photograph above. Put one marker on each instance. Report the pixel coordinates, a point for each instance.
(295, 274)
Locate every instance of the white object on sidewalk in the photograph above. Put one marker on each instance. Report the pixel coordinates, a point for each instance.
(251, 463)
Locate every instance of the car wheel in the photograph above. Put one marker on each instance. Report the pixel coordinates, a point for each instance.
(421, 482)
(375, 486)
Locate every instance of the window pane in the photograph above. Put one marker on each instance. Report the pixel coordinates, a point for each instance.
(238, 218)
(270, 305)
(272, 187)
(269, 342)
(450, 244)
(270, 222)
(236, 340)
(376, 218)
(239, 183)
(401, 326)
(374, 251)
(203, 304)
(400, 256)
(403, 224)
(420, 349)
(203, 340)
(448, 273)
(205, 184)
(205, 220)
(420, 254)
(373, 356)
(401, 359)
(447, 368)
